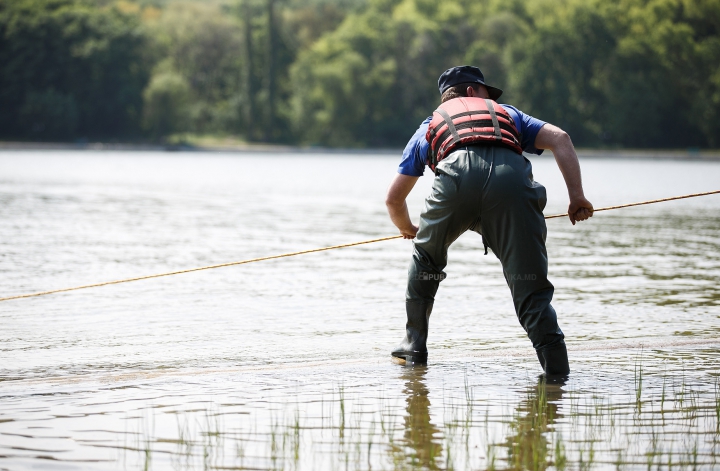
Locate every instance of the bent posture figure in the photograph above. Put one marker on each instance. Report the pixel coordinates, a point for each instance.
(483, 183)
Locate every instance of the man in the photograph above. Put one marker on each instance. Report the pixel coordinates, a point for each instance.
(484, 184)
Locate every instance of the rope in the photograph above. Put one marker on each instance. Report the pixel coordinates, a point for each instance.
(672, 198)
(292, 254)
(189, 270)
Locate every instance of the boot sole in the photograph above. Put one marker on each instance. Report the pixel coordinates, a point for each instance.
(411, 358)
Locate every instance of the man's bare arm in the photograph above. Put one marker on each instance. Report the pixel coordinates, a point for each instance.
(397, 207)
(558, 141)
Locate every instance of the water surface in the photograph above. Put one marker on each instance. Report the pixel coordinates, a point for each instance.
(284, 364)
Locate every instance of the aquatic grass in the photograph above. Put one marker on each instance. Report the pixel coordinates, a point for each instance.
(539, 427)
(690, 412)
(653, 450)
(296, 437)
(341, 398)
(183, 442)
(683, 386)
(469, 409)
(612, 414)
(240, 451)
(587, 456)
(638, 380)
(212, 434)
(619, 460)
(469, 394)
(716, 389)
(490, 457)
(274, 442)
(144, 436)
(370, 440)
(662, 395)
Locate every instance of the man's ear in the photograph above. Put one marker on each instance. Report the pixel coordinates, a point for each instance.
(470, 92)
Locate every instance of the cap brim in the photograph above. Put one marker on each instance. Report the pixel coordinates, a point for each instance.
(493, 92)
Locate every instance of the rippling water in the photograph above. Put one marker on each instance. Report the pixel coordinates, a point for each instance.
(284, 364)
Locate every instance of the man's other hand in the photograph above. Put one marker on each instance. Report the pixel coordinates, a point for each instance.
(580, 209)
(411, 233)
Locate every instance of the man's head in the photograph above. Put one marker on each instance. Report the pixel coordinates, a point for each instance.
(463, 81)
(465, 90)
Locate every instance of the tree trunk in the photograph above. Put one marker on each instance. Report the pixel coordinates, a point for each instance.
(249, 105)
(271, 80)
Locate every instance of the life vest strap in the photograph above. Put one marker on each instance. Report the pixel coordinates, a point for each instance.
(478, 133)
(493, 115)
(449, 123)
(503, 125)
(490, 133)
(475, 123)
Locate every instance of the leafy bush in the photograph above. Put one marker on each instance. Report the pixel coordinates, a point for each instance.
(167, 102)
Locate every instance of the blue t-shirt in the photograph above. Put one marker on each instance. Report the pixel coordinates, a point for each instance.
(415, 154)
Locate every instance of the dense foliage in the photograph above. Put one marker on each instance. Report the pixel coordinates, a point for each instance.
(632, 73)
(69, 69)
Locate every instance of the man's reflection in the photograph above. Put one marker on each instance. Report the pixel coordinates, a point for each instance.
(421, 436)
(528, 445)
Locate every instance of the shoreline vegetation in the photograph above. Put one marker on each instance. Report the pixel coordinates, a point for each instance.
(348, 74)
(231, 145)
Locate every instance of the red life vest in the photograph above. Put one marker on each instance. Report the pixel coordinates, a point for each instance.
(469, 120)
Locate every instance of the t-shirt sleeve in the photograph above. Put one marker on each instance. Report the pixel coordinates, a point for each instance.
(528, 127)
(414, 156)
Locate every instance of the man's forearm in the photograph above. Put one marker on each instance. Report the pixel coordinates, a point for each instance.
(559, 142)
(553, 138)
(400, 216)
(567, 161)
(397, 207)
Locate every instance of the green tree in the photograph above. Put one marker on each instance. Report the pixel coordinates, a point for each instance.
(202, 46)
(69, 70)
(634, 73)
(371, 81)
(703, 16)
(631, 73)
(167, 105)
(557, 64)
(235, 63)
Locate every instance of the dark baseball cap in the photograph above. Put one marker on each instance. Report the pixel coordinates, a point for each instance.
(465, 74)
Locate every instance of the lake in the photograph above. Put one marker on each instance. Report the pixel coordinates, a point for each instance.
(285, 364)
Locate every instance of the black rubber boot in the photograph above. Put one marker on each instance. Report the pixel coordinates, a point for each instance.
(413, 348)
(554, 360)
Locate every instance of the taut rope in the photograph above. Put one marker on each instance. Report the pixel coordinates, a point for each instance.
(292, 254)
(189, 270)
(672, 198)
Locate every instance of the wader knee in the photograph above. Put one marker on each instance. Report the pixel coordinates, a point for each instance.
(424, 277)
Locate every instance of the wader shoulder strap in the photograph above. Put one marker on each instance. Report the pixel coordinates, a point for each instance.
(496, 125)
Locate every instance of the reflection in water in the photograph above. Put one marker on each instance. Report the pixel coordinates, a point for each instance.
(421, 437)
(527, 446)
